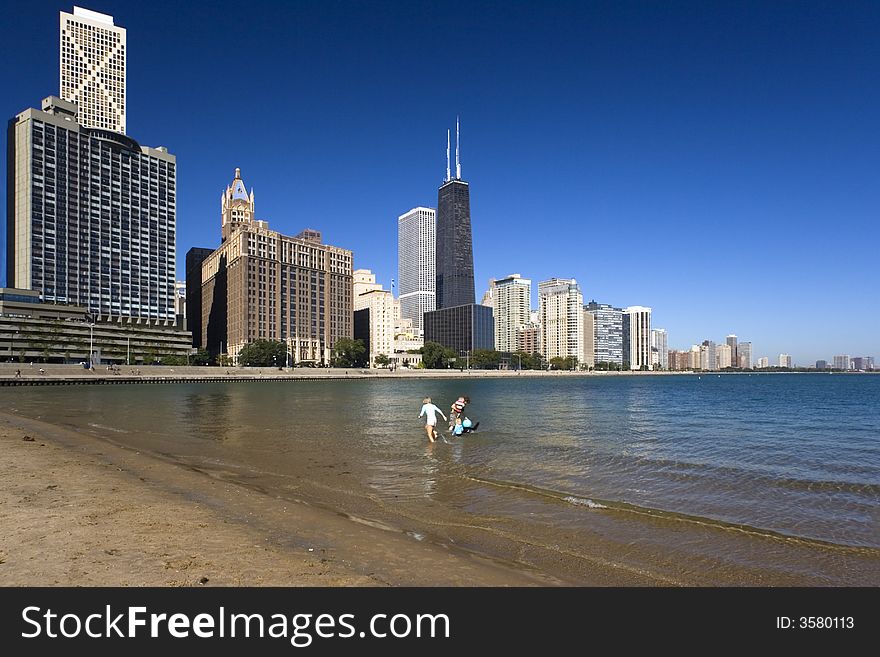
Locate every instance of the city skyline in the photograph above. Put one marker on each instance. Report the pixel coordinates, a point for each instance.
(752, 146)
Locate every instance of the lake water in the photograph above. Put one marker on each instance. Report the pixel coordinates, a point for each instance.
(735, 479)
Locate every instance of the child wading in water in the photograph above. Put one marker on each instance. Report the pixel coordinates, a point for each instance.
(430, 411)
(457, 408)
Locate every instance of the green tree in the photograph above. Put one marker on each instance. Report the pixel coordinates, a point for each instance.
(262, 353)
(486, 359)
(349, 353)
(557, 363)
(202, 357)
(434, 355)
(382, 360)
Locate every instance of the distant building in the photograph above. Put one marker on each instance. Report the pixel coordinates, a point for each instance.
(821, 364)
(562, 319)
(362, 281)
(609, 332)
(454, 249)
(784, 360)
(461, 328)
(695, 357)
(589, 341)
(763, 363)
(489, 295)
(528, 338)
(512, 302)
(744, 355)
(659, 345)
(708, 356)
(262, 284)
(455, 271)
(842, 362)
(194, 259)
(416, 264)
(723, 356)
(637, 337)
(180, 303)
(863, 363)
(374, 315)
(731, 341)
(678, 360)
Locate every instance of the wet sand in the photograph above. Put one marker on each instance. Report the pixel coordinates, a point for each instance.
(76, 511)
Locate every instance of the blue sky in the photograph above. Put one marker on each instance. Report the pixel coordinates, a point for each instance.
(719, 162)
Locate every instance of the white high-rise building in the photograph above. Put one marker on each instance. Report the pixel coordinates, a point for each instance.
(562, 318)
(92, 68)
(842, 362)
(784, 360)
(637, 337)
(763, 362)
(659, 346)
(723, 356)
(707, 356)
(363, 281)
(380, 314)
(416, 264)
(512, 298)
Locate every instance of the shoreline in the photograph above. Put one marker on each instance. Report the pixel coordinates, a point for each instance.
(84, 510)
(153, 374)
(81, 511)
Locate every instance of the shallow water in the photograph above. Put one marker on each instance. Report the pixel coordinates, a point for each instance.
(722, 480)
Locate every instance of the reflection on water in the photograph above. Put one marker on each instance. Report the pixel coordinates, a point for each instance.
(764, 452)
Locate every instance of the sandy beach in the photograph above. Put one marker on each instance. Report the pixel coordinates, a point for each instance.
(75, 511)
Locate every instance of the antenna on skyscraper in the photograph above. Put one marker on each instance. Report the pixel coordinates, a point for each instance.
(448, 174)
(457, 162)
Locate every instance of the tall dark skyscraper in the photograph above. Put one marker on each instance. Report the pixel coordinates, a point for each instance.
(454, 251)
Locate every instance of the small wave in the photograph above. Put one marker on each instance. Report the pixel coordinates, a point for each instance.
(113, 429)
(582, 501)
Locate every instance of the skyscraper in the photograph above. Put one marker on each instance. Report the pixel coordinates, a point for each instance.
(458, 322)
(763, 362)
(262, 284)
(416, 270)
(734, 353)
(454, 251)
(744, 355)
(91, 216)
(708, 356)
(659, 342)
(92, 73)
(512, 303)
(560, 304)
(785, 360)
(608, 332)
(637, 337)
(841, 362)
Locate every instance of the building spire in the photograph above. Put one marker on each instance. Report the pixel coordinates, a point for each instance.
(448, 174)
(457, 161)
